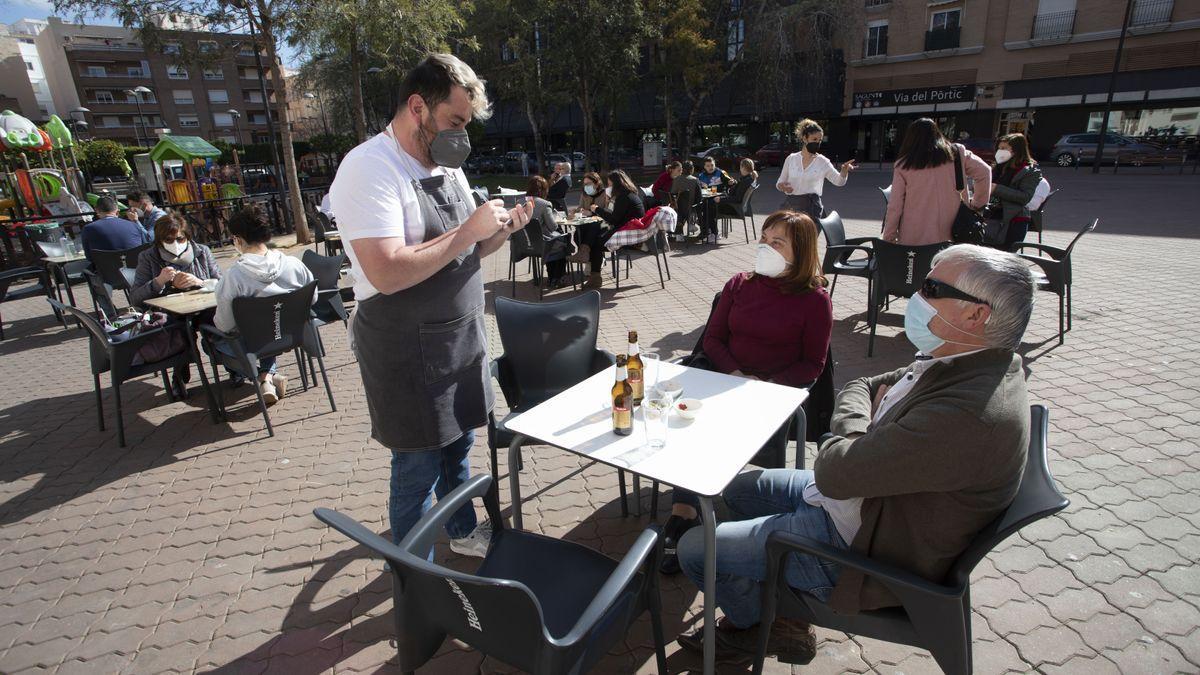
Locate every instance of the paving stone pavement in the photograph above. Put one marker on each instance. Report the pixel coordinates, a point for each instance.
(195, 548)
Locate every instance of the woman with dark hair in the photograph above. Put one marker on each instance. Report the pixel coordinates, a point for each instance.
(804, 173)
(772, 324)
(1016, 178)
(626, 205)
(924, 200)
(175, 262)
(542, 236)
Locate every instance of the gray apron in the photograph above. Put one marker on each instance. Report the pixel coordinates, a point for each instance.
(809, 204)
(423, 350)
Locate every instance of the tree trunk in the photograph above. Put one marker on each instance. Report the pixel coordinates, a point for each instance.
(536, 127)
(295, 202)
(356, 93)
(667, 117)
(585, 106)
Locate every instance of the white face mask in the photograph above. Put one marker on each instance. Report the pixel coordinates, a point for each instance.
(608, 191)
(1003, 156)
(175, 248)
(769, 262)
(590, 190)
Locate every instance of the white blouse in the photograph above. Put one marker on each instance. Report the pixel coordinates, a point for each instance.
(811, 180)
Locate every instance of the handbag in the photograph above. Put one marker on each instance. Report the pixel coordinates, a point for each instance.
(968, 224)
(162, 346)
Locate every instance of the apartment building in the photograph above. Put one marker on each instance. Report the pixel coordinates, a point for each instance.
(988, 67)
(22, 79)
(98, 68)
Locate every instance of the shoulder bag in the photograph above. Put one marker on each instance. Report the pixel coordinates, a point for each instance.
(968, 223)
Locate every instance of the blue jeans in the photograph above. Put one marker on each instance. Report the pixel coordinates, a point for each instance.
(266, 365)
(418, 476)
(762, 502)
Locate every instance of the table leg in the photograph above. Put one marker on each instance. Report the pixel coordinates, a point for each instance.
(67, 282)
(709, 522)
(514, 480)
(213, 411)
(801, 422)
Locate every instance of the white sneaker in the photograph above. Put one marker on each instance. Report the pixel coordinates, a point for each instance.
(474, 544)
(280, 383)
(270, 396)
(712, 238)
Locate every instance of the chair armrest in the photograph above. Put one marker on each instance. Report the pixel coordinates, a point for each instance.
(859, 241)
(645, 550)
(419, 540)
(1052, 251)
(356, 531)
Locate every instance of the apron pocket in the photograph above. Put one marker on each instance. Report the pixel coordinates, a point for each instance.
(451, 347)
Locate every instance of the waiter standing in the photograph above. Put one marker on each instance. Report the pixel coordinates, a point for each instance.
(415, 238)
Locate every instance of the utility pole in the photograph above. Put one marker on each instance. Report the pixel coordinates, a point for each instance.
(1112, 87)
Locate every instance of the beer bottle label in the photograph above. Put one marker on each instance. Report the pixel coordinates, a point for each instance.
(622, 417)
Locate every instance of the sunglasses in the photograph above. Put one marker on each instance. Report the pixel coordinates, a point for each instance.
(933, 289)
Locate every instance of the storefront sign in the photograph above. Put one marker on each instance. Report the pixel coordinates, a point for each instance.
(959, 93)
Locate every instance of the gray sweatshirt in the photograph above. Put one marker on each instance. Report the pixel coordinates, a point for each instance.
(257, 276)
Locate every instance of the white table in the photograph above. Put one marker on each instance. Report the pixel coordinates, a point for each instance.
(703, 455)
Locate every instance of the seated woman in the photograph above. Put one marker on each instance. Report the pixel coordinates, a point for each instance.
(175, 262)
(748, 178)
(258, 272)
(543, 235)
(594, 197)
(1016, 177)
(772, 324)
(662, 185)
(626, 200)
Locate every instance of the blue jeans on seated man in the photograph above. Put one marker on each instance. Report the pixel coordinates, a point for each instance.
(266, 365)
(762, 502)
(418, 476)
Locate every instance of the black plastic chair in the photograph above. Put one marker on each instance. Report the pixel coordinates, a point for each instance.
(116, 358)
(1037, 216)
(1056, 272)
(658, 248)
(327, 270)
(321, 226)
(102, 301)
(839, 249)
(743, 212)
(267, 326)
(41, 286)
(534, 251)
(896, 271)
(934, 615)
(542, 605)
(549, 347)
(118, 268)
(887, 199)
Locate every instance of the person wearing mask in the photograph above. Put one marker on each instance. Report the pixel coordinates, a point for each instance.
(175, 262)
(626, 205)
(747, 178)
(924, 201)
(686, 191)
(772, 324)
(594, 196)
(804, 173)
(1015, 180)
(919, 461)
(543, 236)
(259, 271)
(560, 184)
(415, 238)
(107, 232)
(148, 213)
(661, 189)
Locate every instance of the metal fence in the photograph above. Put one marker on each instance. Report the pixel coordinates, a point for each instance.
(1053, 25)
(1149, 12)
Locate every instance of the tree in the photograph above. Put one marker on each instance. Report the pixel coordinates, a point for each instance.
(104, 158)
(690, 55)
(267, 19)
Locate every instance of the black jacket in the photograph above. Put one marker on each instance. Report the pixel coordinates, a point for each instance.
(626, 207)
(558, 193)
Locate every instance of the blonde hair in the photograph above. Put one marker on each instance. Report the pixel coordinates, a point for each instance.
(806, 126)
(748, 165)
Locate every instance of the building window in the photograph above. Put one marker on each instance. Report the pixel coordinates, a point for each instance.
(876, 40)
(177, 72)
(110, 121)
(249, 73)
(172, 48)
(735, 39)
(183, 97)
(104, 97)
(252, 96)
(943, 30)
(218, 96)
(1054, 19)
(189, 121)
(223, 119)
(258, 118)
(947, 20)
(230, 139)
(96, 71)
(207, 47)
(214, 73)
(135, 71)
(28, 65)
(1149, 12)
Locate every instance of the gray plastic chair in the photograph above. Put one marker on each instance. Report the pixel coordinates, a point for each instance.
(839, 249)
(933, 616)
(1056, 272)
(896, 271)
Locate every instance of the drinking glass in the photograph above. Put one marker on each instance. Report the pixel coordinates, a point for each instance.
(650, 364)
(656, 413)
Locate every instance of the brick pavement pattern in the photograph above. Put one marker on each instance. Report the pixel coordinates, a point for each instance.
(195, 548)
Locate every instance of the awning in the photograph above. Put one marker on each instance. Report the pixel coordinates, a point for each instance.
(185, 148)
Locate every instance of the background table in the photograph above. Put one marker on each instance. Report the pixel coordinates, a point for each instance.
(187, 305)
(703, 455)
(57, 265)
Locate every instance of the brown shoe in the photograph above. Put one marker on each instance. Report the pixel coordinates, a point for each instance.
(791, 641)
(726, 654)
(594, 281)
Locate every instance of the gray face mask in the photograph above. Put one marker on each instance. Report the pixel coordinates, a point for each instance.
(450, 148)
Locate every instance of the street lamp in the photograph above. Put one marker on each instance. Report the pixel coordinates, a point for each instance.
(80, 123)
(237, 126)
(324, 124)
(137, 94)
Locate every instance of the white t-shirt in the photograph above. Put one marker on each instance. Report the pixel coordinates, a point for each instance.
(810, 180)
(373, 196)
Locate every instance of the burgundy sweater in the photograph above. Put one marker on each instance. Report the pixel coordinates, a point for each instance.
(760, 330)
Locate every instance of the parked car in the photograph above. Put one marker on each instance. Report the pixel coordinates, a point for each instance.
(514, 159)
(1081, 148)
(557, 158)
(985, 148)
(484, 163)
(773, 154)
(726, 157)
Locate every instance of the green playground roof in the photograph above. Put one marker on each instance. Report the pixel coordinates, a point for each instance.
(185, 148)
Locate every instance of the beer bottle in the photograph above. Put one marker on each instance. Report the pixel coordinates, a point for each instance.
(637, 370)
(622, 400)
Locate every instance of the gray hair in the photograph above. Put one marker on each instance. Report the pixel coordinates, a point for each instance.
(433, 78)
(1004, 281)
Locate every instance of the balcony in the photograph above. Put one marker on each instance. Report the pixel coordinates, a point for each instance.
(108, 49)
(1150, 12)
(942, 38)
(1055, 25)
(119, 107)
(876, 3)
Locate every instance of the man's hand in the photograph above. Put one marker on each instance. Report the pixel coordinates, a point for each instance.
(486, 221)
(165, 276)
(879, 394)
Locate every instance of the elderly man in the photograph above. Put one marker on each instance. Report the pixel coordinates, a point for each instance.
(560, 183)
(919, 461)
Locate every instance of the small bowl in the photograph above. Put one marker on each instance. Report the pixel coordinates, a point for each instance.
(669, 388)
(688, 408)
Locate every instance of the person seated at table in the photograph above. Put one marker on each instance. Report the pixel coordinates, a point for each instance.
(626, 205)
(713, 177)
(919, 461)
(772, 324)
(594, 196)
(259, 271)
(107, 232)
(543, 236)
(175, 262)
(661, 189)
(560, 184)
(686, 191)
(747, 178)
(148, 213)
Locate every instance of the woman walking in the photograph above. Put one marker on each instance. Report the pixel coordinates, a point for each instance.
(805, 172)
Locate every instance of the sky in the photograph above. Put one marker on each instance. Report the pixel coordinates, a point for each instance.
(14, 10)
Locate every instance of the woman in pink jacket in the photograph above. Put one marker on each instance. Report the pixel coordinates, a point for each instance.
(924, 201)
